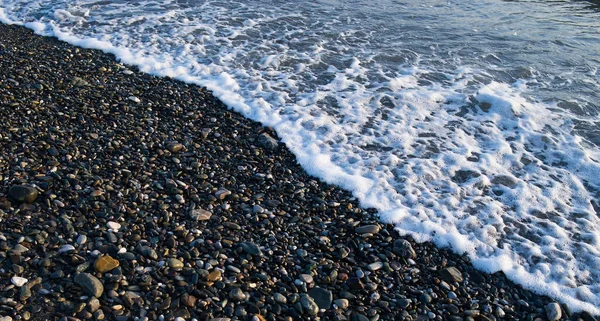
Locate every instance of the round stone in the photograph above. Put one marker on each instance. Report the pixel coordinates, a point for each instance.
(23, 193)
(18, 281)
(90, 284)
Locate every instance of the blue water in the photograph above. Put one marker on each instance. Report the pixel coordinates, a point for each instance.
(472, 124)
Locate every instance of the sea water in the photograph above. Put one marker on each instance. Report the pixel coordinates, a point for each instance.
(472, 124)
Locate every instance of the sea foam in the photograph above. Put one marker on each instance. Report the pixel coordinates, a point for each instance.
(447, 150)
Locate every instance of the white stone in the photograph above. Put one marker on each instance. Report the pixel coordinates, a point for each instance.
(18, 281)
(113, 225)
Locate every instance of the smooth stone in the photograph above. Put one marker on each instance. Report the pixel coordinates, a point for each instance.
(309, 306)
(113, 225)
(149, 252)
(342, 303)
(268, 142)
(200, 214)
(322, 297)
(472, 313)
(175, 264)
(372, 229)
(19, 249)
(425, 298)
(499, 312)
(221, 193)
(404, 303)
(403, 249)
(451, 274)
(307, 278)
(105, 263)
(375, 266)
(81, 239)
(359, 317)
(452, 308)
(214, 276)
(251, 248)
(90, 284)
(174, 147)
(18, 281)
(279, 298)
(237, 294)
(586, 316)
(23, 193)
(66, 248)
(553, 311)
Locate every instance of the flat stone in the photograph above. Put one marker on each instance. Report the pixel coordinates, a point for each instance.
(403, 249)
(90, 284)
(105, 263)
(23, 193)
(375, 266)
(322, 297)
(19, 249)
(18, 281)
(553, 311)
(200, 214)
(451, 274)
(372, 229)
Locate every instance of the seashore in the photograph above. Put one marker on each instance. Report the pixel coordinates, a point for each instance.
(126, 196)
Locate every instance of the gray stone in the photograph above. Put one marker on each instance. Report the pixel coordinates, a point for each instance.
(23, 193)
(403, 249)
(279, 298)
(451, 274)
(505, 180)
(90, 284)
(375, 266)
(553, 311)
(251, 248)
(372, 229)
(323, 298)
(309, 306)
(268, 142)
(342, 303)
(237, 294)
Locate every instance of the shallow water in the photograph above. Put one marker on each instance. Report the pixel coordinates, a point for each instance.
(474, 125)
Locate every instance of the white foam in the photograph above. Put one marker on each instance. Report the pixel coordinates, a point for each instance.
(468, 164)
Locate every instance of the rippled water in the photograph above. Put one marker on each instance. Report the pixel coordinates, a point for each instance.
(474, 124)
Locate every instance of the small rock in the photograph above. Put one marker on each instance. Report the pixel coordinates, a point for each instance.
(113, 226)
(553, 311)
(403, 249)
(214, 276)
(67, 248)
(323, 298)
(268, 142)
(200, 214)
(251, 248)
(222, 193)
(18, 281)
(174, 147)
(23, 193)
(308, 304)
(279, 298)
(237, 294)
(105, 263)
(90, 284)
(175, 264)
(372, 229)
(342, 303)
(451, 274)
(375, 266)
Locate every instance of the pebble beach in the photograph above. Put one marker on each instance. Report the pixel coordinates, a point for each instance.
(126, 196)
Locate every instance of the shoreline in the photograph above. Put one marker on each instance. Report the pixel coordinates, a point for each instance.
(158, 200)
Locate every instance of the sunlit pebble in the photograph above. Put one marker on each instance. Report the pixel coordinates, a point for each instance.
(18, 281)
